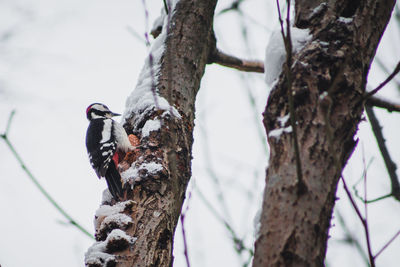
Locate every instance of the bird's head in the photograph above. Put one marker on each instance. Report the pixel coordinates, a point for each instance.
(98, 110)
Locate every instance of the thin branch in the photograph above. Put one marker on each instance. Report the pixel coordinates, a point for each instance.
(390, 165)
(166, 7)
(182, 219)
(288, 46)
(363, 199)
(385, 69)
(4, 136)
(350, 239)
(339, 168)
(252, 102)
(388, 79)
(360, 197)
(376, 199)
(371, 258)
(387, 244)
(151, 58)
(132, 31)
(239, 245)
(8, 124)
(185, 250)
(363, 221)
(326, 105)
(214, 177)
(226, 60)
(375, 101)
(353, 203)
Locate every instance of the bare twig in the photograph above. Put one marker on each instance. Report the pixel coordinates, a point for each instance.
(388, 79)
(382, 65)
(132, 31)
(362, 198)
(382, 103)
(377, 199)
(288, 46)
(326, 105)
(387, 244)
(4, 136)
(363, 221)
(166, 7)
(182, 218)
(252, 102)
(220, 192)
(239, 244)
(371, 258)
(151, 58)
(226, 60)
(390, 165)
(8, 124)
(349, 238)
(339, 168)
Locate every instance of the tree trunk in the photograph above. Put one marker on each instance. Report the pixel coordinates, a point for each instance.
(328, 82)
(155, 202)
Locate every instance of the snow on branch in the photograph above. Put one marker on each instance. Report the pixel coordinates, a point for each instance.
(145, 97)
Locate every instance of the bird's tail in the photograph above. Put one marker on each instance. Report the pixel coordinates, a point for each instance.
(114, 183)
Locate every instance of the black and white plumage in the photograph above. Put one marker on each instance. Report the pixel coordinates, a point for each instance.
(104, 138)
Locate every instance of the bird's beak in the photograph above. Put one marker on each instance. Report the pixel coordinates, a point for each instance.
(115, 114)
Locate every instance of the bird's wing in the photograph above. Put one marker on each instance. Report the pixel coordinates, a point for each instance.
(100, 153)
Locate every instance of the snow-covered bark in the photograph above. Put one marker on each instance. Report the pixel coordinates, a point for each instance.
(160, 112)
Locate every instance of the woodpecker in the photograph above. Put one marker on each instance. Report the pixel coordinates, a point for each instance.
(104, 139)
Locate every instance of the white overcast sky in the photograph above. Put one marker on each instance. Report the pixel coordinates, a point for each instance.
(57, 57)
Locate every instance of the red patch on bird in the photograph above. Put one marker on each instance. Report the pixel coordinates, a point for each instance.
(88, 109)
(116, 159)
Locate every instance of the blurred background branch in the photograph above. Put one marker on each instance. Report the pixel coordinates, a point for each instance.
(71, 221)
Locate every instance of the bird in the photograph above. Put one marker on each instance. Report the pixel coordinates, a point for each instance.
(105, 138)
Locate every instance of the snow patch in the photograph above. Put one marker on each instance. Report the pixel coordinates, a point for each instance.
(106, 197)
(108, 216)
(118, 234)
(107, 210)
(96, 255)
(150, 125)
(119, 219)
(345, 20)
(323, 95)
(152, 167)
(156, 214)
(275, 54)
(323, 43)
(276, 133)
(257, 224)
(132, 174)
(318, 9)
(283, 120)
(159, 22)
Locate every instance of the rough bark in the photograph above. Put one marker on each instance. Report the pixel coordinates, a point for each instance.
(156, 200)
(295, 223)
